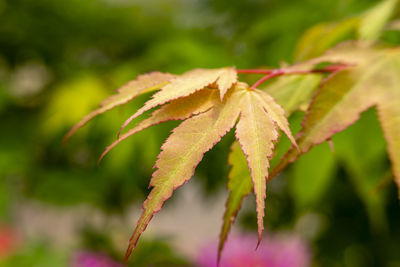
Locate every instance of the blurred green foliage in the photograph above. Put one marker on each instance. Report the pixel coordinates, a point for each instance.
(37, 254)
(58, 59)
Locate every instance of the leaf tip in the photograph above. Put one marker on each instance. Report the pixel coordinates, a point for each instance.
(126, 258)
(258, 241)
(70, 133)
(331, 145)
(65, 139)
(221, 244)
(108, 148)
(219, 258)
(121, 129)
(101, 157)
(129, 250)
(131, 118)
(221, 95)
(296, 146)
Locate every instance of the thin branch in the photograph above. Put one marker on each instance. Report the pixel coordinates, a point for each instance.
(254, 71)
(280, 72)
(265, 78)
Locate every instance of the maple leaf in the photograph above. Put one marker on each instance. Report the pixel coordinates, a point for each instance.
(210, 102)
(373, 82)
(143, 84)
(256, 133)
(188, 83)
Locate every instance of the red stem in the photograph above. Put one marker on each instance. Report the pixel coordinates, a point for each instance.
(254, 71)
(266, 77)
(279, 72)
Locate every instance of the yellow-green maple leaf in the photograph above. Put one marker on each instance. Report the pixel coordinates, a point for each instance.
(340, 101)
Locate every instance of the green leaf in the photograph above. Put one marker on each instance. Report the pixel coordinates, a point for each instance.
(323, 36)
(293, 92)
(239, 185)
(374, 20)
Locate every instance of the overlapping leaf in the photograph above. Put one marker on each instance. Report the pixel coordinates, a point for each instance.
(256, 132)
(189, 83)
(338, 104)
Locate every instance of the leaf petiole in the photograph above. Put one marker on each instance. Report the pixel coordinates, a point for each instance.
(280, 72)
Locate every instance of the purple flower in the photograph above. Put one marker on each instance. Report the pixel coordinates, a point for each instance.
(239, 251)
(93, 259)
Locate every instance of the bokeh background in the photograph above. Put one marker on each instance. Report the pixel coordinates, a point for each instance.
(59, 59)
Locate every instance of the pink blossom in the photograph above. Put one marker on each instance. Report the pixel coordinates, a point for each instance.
(93, 259)
(239, 251)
